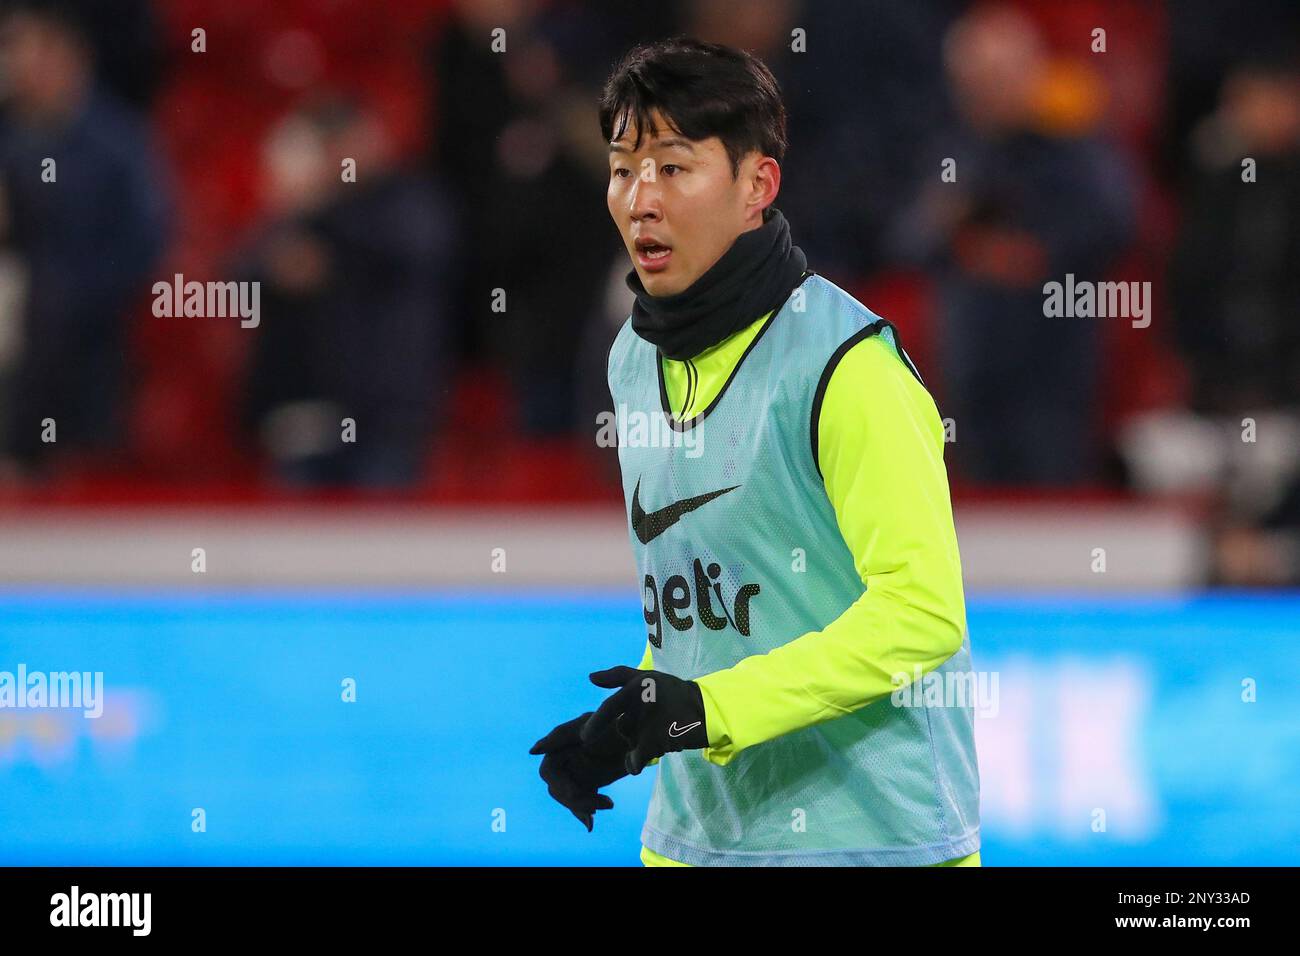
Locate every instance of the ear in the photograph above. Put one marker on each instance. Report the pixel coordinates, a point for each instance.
(763, 182)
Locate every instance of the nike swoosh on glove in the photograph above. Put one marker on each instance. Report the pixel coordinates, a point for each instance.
(657, 713)
(574, 772)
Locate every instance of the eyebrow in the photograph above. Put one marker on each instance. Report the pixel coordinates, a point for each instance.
(669, 142)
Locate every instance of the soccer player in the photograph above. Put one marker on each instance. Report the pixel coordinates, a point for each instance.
(798, 555)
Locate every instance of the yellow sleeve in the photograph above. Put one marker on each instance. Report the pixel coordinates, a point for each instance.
(880, 449)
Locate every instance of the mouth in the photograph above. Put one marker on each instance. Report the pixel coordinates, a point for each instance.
(652, 255)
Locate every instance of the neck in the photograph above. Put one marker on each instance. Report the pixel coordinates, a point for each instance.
(753, 277)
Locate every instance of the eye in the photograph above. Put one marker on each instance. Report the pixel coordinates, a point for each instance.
(667, 166)
(620, 170)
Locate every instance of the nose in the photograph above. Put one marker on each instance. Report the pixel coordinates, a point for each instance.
(644, 201)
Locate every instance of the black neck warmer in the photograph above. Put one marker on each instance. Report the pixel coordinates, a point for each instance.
(753, 277)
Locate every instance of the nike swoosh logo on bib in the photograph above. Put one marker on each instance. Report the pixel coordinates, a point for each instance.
(652, 525)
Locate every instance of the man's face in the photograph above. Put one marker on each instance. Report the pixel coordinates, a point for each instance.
(41, 65)
(677, 205)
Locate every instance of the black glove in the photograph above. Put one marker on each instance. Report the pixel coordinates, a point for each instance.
(657, 712)
(574, 772)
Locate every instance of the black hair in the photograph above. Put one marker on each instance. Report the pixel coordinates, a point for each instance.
(702, 90)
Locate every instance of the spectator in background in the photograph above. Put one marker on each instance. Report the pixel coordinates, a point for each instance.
(1032, 200)
(1206, 40)
(1235, 286)
(514, 137)
(865, 94)
(82, 212)
(1236, 271)
(354, 321)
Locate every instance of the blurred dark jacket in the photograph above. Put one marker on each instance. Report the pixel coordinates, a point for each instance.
(369, 340)
(1235, 283)
(89, 241)
(1020, 386)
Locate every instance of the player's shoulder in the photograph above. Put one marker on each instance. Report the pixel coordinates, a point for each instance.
(827, 317)
(870, 379)
(831, 301)
(828, 323)
(869, 362)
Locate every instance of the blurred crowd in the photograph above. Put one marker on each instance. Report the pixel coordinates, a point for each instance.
(948, 160)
